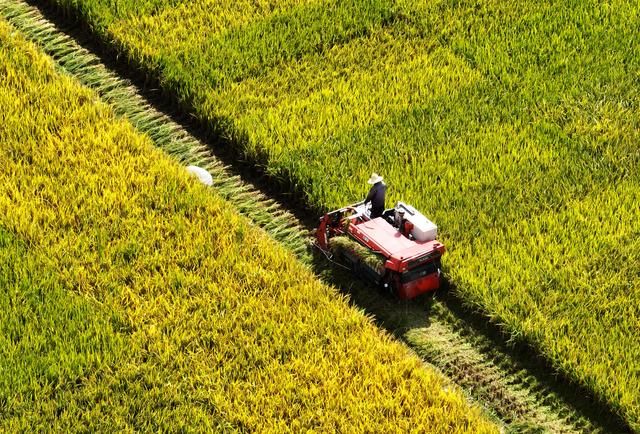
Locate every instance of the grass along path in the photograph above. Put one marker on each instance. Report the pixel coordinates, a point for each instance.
(439, 340)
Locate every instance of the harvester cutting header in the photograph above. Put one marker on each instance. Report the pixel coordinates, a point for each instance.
(394, 248)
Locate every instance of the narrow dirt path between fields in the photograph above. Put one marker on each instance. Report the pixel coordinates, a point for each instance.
(517, 389)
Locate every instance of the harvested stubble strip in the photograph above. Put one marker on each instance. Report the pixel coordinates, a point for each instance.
(201, 321)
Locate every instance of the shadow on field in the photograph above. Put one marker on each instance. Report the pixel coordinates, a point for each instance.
(212, 131)
(540, 375)
(387, 310)
(510, 356)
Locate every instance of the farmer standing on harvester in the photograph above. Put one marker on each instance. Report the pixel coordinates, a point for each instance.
(376, 195)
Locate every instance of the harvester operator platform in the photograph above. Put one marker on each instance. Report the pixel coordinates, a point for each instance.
(376, 195)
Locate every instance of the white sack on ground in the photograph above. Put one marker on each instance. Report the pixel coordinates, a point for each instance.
(201, 174)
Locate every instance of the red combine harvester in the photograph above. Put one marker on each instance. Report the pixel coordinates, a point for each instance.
(402, 241)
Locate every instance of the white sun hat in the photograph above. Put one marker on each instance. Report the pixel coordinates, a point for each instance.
(374, 178)
(202, 175)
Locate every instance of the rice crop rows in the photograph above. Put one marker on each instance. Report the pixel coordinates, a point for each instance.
(126, 101)
(517, 395)
(135, 299)
(514, 125)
